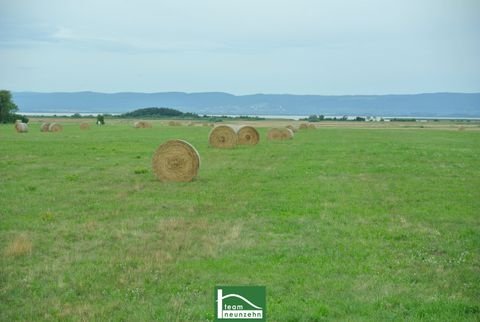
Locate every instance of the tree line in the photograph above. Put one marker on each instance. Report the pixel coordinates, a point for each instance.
(8, 109)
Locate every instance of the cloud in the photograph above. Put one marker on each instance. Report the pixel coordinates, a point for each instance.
(63, 33)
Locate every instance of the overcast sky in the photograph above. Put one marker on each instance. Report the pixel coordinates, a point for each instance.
(241, 46)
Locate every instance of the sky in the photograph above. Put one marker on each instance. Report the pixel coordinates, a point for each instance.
(322, 47)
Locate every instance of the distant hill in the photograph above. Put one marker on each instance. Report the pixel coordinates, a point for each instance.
(157, 112)
(434, 105)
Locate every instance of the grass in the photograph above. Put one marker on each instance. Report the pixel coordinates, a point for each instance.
(339, 224)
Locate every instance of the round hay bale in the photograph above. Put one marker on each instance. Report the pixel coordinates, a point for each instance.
(55, 127)
(248, 135)
(21, 127)
(312, 126)
(84, 126)
(191, 124)
(293, 128)
(142, 125)
(303, 126)
(44, 127)
(223, 136)
(280, 134)
(288, 134)
(206, 124)
(177, 161)
(461, 128)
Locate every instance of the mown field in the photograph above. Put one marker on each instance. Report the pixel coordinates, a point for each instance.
(339, 224)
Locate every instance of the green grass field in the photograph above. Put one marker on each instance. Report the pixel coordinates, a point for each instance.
(339, 224)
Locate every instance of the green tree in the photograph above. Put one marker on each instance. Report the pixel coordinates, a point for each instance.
(100, 119)
(7, 107)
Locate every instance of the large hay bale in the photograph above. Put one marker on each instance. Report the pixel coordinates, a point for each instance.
(176, 160)
(280, 134)
(84, 126)
(21, 127)
(247, 135)
(174, 123)
(142, 125)
(223, 136)
(311, 126)
(55, 127)
(293, 128)
(303, 126)
(44, 127)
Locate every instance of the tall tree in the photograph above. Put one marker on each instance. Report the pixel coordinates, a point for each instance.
(7, 107)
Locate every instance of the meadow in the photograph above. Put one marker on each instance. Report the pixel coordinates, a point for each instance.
(342, 223)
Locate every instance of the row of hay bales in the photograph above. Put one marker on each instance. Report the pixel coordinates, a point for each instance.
(305, 126)
(179, 161)
(46, 127)
(228, 136)
(51, 127)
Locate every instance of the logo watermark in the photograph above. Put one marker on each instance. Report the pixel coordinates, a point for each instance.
(240, 303)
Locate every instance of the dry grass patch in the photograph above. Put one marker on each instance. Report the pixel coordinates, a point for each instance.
(176, 239)
(79, 312)
(84, 126)
(19, 246)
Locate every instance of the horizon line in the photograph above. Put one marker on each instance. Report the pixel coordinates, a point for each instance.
(239, 95)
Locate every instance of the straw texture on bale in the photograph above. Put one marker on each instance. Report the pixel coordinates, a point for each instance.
(280, 134)
(174, 123)
(248, 135)
(55, 127)
(312, 126)
(84, 126)
(21, 127)
(176, 161)
(142, 125)
(293, 128)
(303, 126)
(223, 136)
(44, 127)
